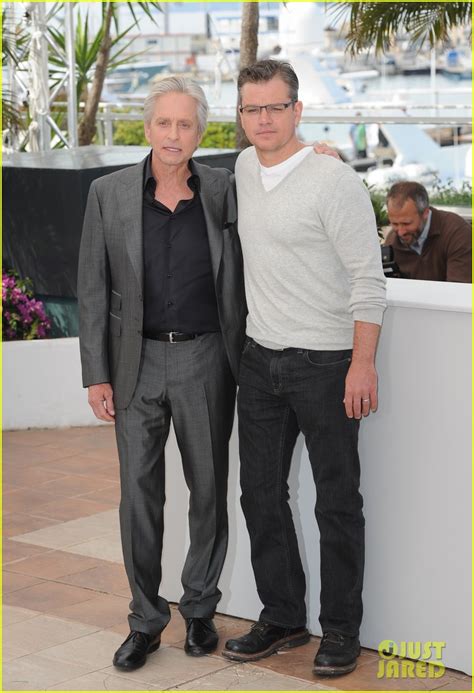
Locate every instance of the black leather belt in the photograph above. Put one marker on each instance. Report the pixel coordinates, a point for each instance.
(171, 337)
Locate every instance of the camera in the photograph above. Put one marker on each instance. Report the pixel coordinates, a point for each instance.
(390, 267)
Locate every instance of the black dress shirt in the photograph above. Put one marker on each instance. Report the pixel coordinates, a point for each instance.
(179, 285)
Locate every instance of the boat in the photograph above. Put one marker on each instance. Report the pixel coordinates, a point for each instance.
(131, 76)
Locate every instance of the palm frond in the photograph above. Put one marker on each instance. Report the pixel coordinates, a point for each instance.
(377, 23)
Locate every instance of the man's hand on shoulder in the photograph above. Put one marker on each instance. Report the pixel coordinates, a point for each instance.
(101, 401)
(323, 148)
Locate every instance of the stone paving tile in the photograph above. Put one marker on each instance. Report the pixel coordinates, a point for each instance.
(43, 632)
(105, 577)
(47, 596)
(46, 436)
(87, 598)
(14, 550)
(36, 456)
(455, 684)
(36, 672)
(65, 510)
(103, 611)
(74, 485)
(26, 500)
(53, 564)
(170, 666)
(74, 531)
(101, 681)
(11, 582)
(364, 678)
(298, 661)
(245, 677)
(88, 466)
(30, 477)
(16, 614)
(21, 523)
(111, 494)
(107, 547)
(94, 651)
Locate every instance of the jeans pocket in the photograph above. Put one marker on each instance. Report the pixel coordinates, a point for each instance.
(247, 343)
(328, 358)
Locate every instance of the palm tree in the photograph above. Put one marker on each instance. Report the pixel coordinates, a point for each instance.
(376, 23)
(248, 54)
(87, 123)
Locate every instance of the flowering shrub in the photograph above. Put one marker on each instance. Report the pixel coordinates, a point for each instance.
(23, 316)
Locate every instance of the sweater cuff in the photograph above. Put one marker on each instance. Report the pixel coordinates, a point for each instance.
(374, 315)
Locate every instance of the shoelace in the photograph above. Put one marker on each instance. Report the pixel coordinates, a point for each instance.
(259, 627)
(335, 638)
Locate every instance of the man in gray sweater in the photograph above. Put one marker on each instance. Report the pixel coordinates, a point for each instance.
(316, 295)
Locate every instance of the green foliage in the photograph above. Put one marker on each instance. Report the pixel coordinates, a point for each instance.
(217, 135)
(129, 132)
(378, 203)
(376, 23)
(87, 46)
(449, 195)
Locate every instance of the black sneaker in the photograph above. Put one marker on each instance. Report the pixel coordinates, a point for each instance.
(262, 641)
(337, 655)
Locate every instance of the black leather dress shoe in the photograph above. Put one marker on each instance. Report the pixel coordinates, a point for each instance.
(262, 641)
(337, 655)
(133, 651)
(201, 637)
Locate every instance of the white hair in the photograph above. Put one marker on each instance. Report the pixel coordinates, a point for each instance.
(182, 85)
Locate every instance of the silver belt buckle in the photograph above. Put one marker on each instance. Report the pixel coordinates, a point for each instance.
(171, 337)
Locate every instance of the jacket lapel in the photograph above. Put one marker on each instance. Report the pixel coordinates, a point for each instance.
(131, 214)
(213, 205)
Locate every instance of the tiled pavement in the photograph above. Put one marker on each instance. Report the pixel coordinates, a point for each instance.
(66, 594)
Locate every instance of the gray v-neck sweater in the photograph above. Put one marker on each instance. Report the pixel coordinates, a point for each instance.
(311, 253)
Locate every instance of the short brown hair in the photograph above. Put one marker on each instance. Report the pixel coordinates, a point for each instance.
(265, 70)
(409, 190)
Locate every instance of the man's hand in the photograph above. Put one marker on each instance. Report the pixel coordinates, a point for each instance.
(361, 390)
(101, 401)
(322, 148)
(360, 396)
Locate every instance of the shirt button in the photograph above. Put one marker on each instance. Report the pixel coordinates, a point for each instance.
(169, 276)
(170, 303)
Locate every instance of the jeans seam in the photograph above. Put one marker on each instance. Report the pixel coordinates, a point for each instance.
(282, 523)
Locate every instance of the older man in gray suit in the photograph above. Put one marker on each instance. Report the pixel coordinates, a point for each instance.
(162, 322)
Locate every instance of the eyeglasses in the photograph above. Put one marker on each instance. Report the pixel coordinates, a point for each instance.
(271, 108)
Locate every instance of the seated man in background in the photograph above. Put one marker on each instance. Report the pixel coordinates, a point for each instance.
(427, 242)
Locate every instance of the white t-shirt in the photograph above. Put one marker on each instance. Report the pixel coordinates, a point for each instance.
(272, 175)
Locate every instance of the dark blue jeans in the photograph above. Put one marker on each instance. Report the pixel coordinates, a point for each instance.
(280, 394)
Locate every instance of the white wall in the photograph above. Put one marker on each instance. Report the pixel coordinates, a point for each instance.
(42, 385)
(416, 473)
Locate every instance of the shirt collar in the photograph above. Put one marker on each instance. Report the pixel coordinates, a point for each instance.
(194, 182)
(417, 246)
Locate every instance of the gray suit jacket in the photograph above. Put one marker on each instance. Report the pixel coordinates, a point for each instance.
(110, 276)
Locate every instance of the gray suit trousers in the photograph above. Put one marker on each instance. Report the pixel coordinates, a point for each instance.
(190, 382)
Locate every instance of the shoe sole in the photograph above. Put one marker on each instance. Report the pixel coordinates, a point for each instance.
(151, 649)
(283, 644)
(334, 671)
(199, 652)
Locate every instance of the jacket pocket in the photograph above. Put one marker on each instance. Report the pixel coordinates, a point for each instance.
(115, 325)
(115, 302)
